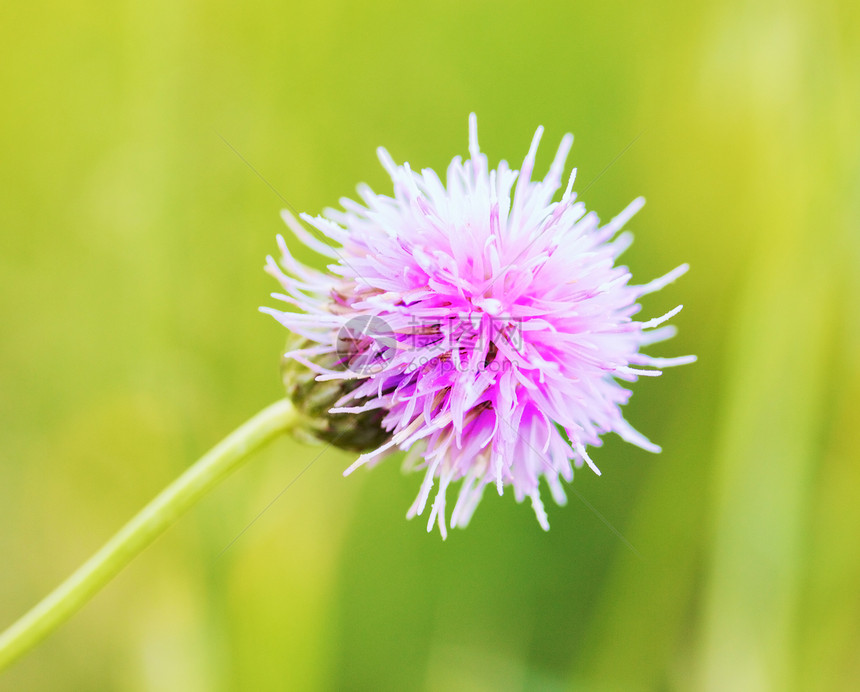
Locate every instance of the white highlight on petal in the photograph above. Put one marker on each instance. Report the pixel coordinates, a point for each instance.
(364, 458)
(569, 189)
(659, 320)
(387, 162)
(305, 237)
(556, 491)
(437, 511)
(491, 306)
(474, 149)
(637, 371)
(622, 242)
(664, 280)
(580, 449)
(288, 319)
(426, 485)
(658, 335)
(540, 512)
(619, 221)
(664, 362)
(634, 437)
(526, 170)
(466, 490)
(553, 178)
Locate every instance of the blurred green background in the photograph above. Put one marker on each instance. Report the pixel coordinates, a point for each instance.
(133, 240)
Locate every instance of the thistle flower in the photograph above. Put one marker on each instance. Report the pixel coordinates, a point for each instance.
(487, 324)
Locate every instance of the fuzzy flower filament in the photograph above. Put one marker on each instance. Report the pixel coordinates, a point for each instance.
(490, 323)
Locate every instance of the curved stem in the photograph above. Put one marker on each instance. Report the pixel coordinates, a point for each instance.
(145, 527)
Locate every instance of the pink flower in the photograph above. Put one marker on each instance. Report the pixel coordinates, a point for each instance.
(488, 322)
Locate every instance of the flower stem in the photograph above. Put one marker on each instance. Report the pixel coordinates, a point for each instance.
(144, 528)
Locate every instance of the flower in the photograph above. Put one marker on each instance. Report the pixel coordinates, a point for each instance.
(489, 324)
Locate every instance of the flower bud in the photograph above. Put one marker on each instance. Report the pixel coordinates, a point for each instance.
(359, 432)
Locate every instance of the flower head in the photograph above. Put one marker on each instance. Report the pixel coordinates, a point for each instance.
(488, 324)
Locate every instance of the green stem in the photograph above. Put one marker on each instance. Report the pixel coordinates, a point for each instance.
(144, 528)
